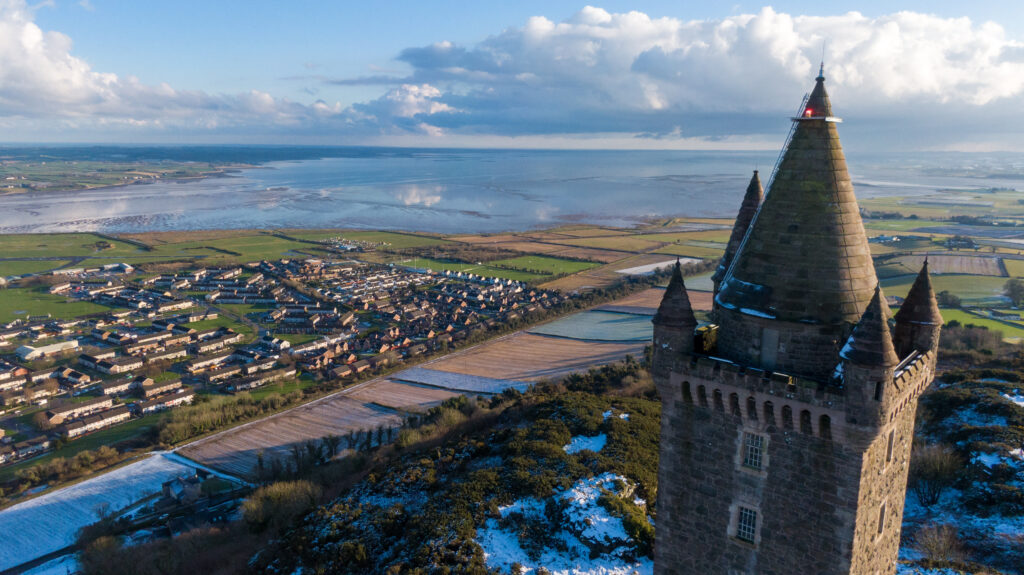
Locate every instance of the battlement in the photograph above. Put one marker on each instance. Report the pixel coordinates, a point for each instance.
(913, 375)
(767, 382)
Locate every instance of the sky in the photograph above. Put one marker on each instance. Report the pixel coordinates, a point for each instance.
(938, 75)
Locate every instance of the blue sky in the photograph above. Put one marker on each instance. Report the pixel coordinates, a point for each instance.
(681, 74)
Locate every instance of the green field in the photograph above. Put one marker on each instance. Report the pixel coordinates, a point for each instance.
(964, 317)
(19, 302)
(236, 249)
(621, 243)
(17, 268)
(1014, 267)
(54, 245)
(281, 387)
(297, 338)
(545, 264)
(974, 289)
(484, 270)
(395, 240)
(690, 251)
(220, 322)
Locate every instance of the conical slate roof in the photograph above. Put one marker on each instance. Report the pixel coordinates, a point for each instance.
(751, 201)
(675, 309)
(920, 307)
(818, 104)
(870, 343)
(807, 258)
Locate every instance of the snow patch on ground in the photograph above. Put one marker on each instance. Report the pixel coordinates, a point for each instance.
(651, 268)
(50, 522)
(950, 510)
(1017, 397)
(903, 569)
(608, 414)
(458, 381)
(587, 522)
(582, 442)
(972, 417)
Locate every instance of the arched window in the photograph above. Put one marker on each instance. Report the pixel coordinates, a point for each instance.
(787, 417)
(752, 408)
(769, 413)
(686, 392)
(734, 404)
(702, 396)
(805, 422)
(878, 391)
(718, 400)
(825, 427)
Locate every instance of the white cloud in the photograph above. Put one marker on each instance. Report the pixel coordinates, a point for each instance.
(594, 73)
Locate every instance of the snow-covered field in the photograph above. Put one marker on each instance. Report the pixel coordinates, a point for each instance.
(50, 522)
(581, 442)
(588, 522)
(458, 381)
(651, 268)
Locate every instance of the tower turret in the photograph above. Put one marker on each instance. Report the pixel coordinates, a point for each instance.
(918, 321)
(868, 361)
(674, 323)
(751, 201)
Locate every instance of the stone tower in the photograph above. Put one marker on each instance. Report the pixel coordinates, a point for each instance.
(785, 449)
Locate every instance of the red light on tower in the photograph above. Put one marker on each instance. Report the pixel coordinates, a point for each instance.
(808, 112)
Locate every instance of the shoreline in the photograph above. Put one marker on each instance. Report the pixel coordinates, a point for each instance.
(218, 172)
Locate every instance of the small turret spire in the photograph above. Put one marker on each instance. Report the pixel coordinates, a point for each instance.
(675, 309)
(751, 201)
(920, 307)
(871, 344)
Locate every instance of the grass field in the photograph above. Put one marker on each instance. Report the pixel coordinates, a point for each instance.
(53, 245)
(109, 436)
(19, 302)
(1014, 267)
(975, 289)
(297, 338)
(484, 270)
(395, 240)
(548, 265)
(17, 268)
(220, 322)
(621, 243)
(281, 387)
(965, 317)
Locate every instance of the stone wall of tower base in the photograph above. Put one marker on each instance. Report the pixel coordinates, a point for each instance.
(818, 496)
(805, 497)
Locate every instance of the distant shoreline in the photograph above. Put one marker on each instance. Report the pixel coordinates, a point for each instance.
(218, 172)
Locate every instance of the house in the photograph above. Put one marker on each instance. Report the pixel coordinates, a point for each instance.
(31, 447)
(117, 387)
(58, 415)
(96, 421)
(151, 389)
(166, 354)
(181, 397)
(264, 378)
(122, 364)
(92, 360)
(207, 362)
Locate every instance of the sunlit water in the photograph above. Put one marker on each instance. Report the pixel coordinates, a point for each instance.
(472, 191)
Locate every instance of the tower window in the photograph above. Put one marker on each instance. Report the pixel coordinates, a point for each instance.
(718, 401)
(805, 422)
(752, 408)
(686, 392)
(825, 427)
(734, 404)
(769, 413)
(787, 417)
(702, 396)
(878, 391)
(881, 519)
(753, 450)
(888, 449)
(746, 526)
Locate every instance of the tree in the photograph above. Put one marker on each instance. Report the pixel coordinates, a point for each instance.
(933, 469)
(947, 299)
(1014, 289)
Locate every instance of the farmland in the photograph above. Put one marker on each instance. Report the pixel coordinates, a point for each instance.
(21, 302)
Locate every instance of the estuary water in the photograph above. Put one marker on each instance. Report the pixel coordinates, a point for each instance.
(472, 191)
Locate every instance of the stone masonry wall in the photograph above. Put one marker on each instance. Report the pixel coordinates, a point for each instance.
(805, 496)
